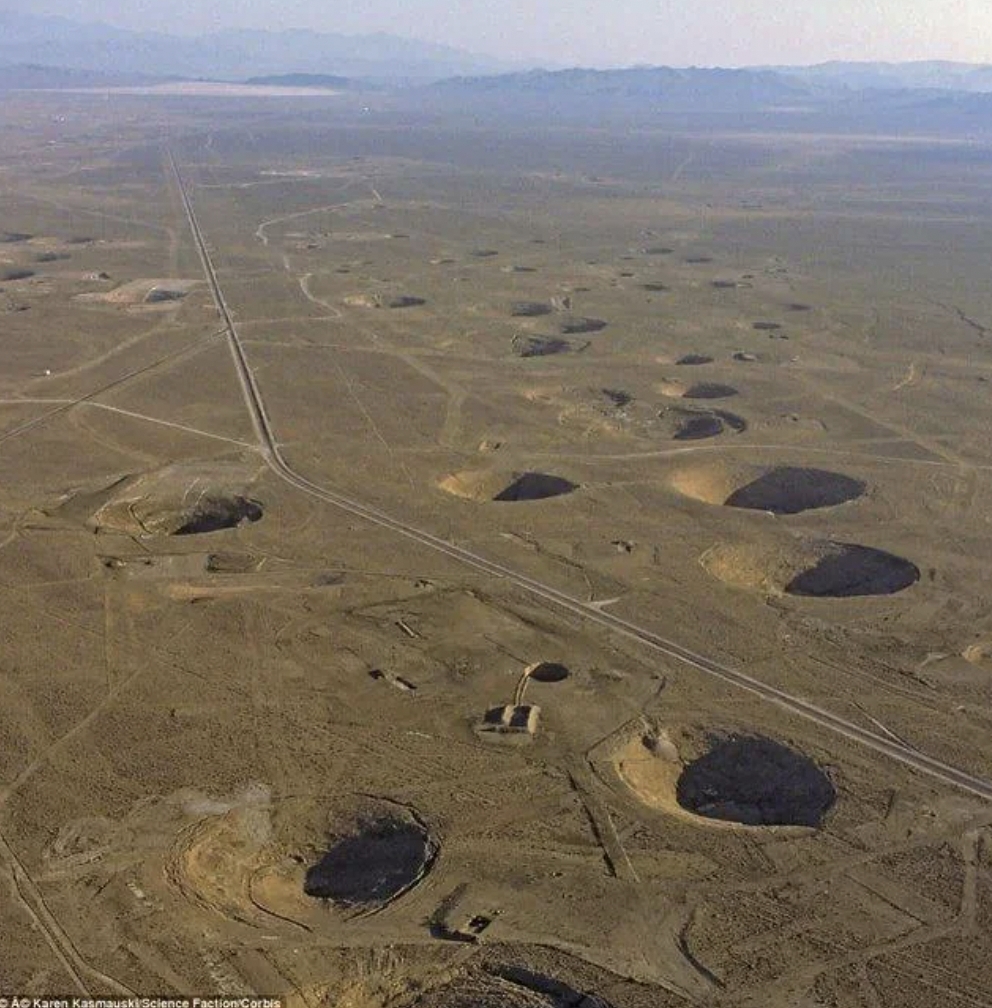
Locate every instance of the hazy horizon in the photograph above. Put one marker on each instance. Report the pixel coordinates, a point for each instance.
(596, 33)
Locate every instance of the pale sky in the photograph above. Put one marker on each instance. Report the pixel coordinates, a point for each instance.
(598, 32)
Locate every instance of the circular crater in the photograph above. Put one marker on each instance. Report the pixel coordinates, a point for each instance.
(572, 324)
(755, 781)
(694, 358)
(709, 390)
(548, 672)
(688, 424)
(782, 490)
(530, 309)
(811, 568)
(211, 514)
(286, 863)
(381, 855)
(504, 486)
(543, 346)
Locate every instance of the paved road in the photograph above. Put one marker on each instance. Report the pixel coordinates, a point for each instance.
(269, 446)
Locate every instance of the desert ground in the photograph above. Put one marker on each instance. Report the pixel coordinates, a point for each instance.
(456, 564)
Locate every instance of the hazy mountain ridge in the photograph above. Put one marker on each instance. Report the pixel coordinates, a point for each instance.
(941, 75)
(234, 55)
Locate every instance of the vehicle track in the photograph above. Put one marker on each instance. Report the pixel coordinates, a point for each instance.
(912, 758)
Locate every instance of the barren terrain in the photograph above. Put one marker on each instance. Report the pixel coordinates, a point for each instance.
(456, 564)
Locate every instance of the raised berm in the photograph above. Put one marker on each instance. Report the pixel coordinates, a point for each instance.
(727, 780)
(817, 568)
(180, 500)
(783, 490)
(506, 486)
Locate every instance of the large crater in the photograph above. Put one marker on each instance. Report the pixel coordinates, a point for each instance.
(811, 568)
(504, 486)
(755, 781)
(382, 855)
(783, 490)
(212, 514)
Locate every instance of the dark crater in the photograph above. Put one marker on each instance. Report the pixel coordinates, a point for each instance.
(654, 285)
(699, 424)
(383, 857)
(212, 514)
(14, 237)
(698, 260)
(549, 672)
(483, 253)
(532, 486)
(658, 250)
(618, 397)
(530, 309)
(755, 781)
(694, 358)
(403, 301)
(541, 346)
(850, 571)
(766, 326)
(577, 324)
(791, 490)
(709, 390)
(16, 274)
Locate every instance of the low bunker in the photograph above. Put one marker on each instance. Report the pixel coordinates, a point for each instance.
(755, 781)
(381, 857)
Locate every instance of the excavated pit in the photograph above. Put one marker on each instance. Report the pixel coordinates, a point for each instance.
(694, 358)
(810, 568)
(781, 490)
(792, 490)
(384, 856)
(212, 514)
(15, 274)
(755, 781)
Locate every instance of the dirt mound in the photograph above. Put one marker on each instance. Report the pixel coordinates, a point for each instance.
(500, 485)
(572, 324)
(530, 309)
(811, 568)
(381, 856)
(755, 781)
(781, 490)
(694, 358)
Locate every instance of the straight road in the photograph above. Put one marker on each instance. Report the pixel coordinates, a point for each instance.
(269, 447)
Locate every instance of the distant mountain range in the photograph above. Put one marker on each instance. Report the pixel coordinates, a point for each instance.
(939, 75)
(229, 55)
